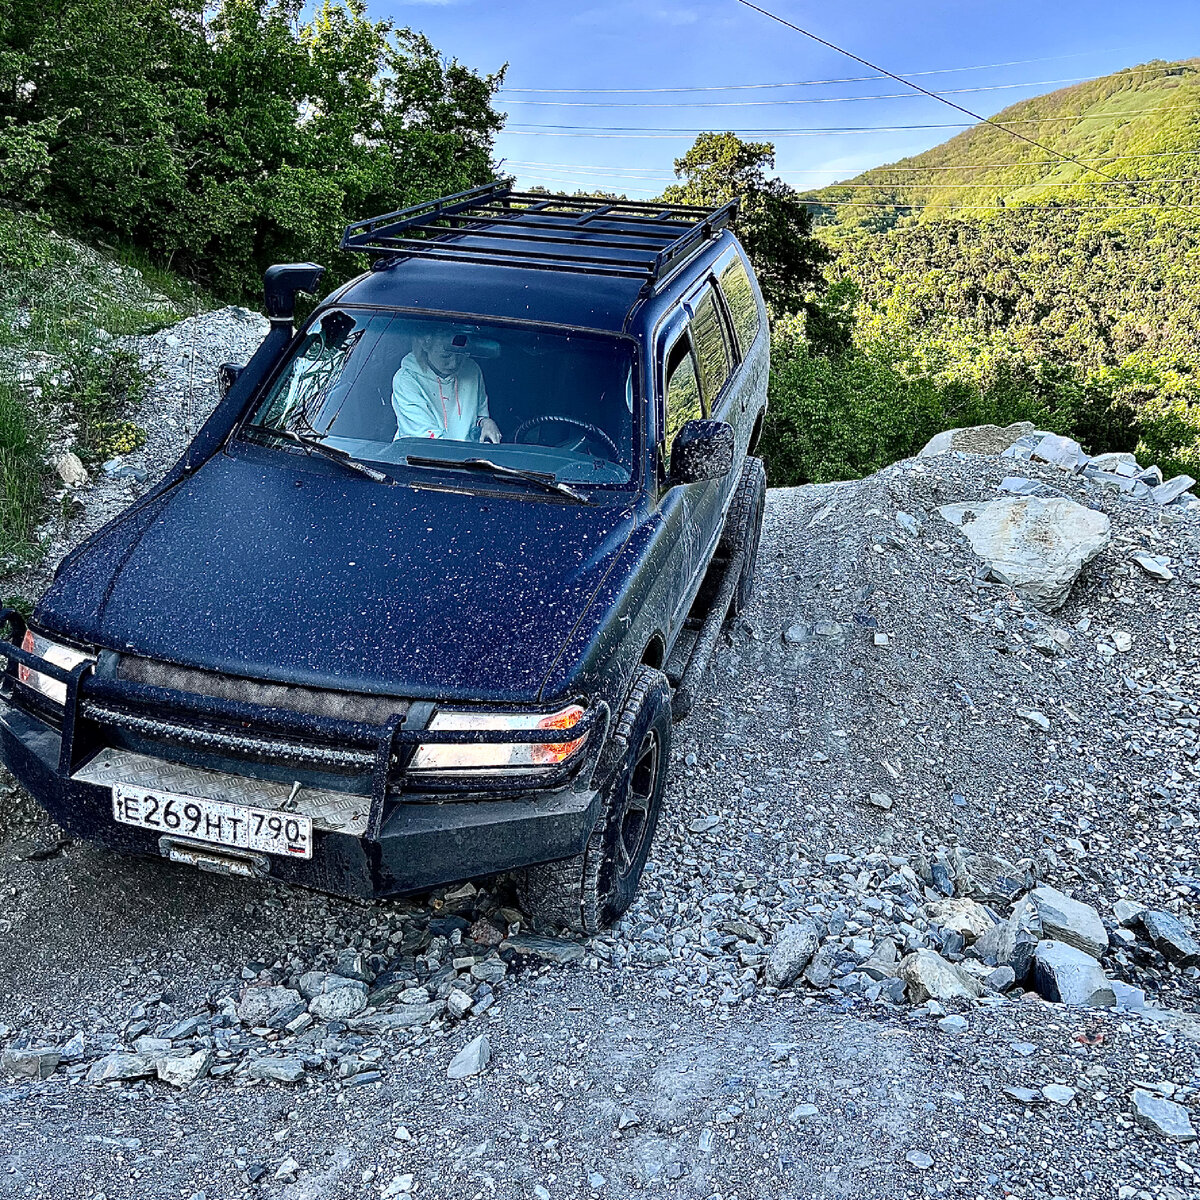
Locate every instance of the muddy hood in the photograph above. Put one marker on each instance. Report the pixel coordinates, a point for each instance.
(266, 565)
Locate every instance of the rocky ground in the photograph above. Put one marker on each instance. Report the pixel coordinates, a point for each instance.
(902, 784)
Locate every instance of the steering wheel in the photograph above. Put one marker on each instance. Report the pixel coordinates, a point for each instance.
(549, 418)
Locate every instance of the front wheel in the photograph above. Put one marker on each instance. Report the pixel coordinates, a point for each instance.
(591, 890)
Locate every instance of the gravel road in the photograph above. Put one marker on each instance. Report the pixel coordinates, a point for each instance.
(658, 1057)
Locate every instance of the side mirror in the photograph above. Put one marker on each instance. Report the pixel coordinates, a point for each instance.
(702, 450)
(281, 283)
(227, 375)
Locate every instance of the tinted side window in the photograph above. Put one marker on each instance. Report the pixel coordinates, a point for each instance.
(709, 336)
(683, 389)
(739, 295)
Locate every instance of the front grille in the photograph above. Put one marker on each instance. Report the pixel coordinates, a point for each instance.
(315, 702)
(226, 741)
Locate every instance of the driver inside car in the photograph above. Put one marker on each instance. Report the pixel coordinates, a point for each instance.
(439, 392)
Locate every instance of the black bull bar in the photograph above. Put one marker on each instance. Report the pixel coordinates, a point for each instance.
(387, 750)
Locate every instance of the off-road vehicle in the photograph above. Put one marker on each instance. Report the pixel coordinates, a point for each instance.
(421, 598)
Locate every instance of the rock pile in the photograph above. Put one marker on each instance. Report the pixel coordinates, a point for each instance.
(414, 976)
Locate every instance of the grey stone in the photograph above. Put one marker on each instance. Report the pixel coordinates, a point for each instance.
(791, 952)
(1169, 937)
(71, 470)
(976, 439)
(39, 1063)
(403, 1017)
(1156, 568)
(884, 961)
(458, 1003)
(338, 1005)
(1165, 493)
(555, 950)
(471, 1059)
(908, 523)
(1066, 974)
(1058, 1093)
(186, 1070)
(269, 1007)
(186, 1028)
(352, 965)
(1131, 998)
(276, 1069)
(1000, 979)
(1066, 920)
(992, 879)
(325, 983)
(803, 1112)
(1037, 546)
(1024, 1095)
(1164, 1117)
(491, 970)
(931, 977)
(1128, 913)
(149, 1047)
(74, 1050)
(1061, 451)
(953, 1024)
(919, 1159)
(962, 916)
(118, 1066)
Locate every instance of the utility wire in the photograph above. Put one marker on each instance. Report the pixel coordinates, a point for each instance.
(998, 87)
(740, 87)
(656, 172)
(817, 130)
(917, 87)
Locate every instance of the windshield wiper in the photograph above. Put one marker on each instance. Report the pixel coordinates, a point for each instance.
(312, 444)
(542, 478)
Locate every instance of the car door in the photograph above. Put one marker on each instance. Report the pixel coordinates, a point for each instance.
(715, 356)
(682, 401)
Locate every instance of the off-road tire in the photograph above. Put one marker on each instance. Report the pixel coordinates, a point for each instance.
(743, 529)
(591, 890)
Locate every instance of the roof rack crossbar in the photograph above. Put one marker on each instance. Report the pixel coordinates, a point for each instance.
(516, 226)
(556, 232)
(456, 248)
(441, 250)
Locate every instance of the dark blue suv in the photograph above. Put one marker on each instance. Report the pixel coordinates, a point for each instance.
(423, 596)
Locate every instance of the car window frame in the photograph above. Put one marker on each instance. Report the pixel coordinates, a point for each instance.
(685, 331)
(709, 287)
(734, 259)
(642, 429)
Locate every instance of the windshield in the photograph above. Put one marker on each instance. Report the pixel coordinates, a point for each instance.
(384, 386)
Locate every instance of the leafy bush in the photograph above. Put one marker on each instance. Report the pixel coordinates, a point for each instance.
(97, 387)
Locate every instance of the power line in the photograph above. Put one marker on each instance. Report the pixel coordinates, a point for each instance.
(657, 172)
(999, 87)
(739, 87)
(916, 86)
(1069, 183)
(832, 130)
(1017, 206)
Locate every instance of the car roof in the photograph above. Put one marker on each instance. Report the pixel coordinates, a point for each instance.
(576, 261)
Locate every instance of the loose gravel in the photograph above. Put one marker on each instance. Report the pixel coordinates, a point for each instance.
(890, 745)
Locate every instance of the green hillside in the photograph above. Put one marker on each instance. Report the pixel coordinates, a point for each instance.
(1139, 124)
(986, 280)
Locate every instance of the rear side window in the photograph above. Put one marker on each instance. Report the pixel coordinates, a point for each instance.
(709, 335)
(739, 295)
(683, 389)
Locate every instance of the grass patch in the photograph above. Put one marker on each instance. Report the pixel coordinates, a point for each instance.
(22, 476)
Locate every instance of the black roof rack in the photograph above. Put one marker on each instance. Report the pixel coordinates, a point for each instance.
(493, 224)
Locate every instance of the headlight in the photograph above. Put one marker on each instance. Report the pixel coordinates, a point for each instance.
(52, 652)
(498, 756)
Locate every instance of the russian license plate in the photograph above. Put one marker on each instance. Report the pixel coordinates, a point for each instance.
(287, 834)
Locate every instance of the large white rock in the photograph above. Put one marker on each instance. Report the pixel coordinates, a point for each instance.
(963, 916)
(930, 977)
(1070, 921)
(1069, 976)
(792, 952)
(976, 439)
(1037, 546)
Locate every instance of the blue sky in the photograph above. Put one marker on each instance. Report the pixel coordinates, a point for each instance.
(1025, 47)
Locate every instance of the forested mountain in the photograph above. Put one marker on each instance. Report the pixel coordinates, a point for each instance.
(988, 279)
(1140, 124)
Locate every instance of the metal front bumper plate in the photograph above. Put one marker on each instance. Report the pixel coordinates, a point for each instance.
(334, 812)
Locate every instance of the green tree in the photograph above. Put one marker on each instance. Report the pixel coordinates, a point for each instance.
(223, 137)
(772, 223)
